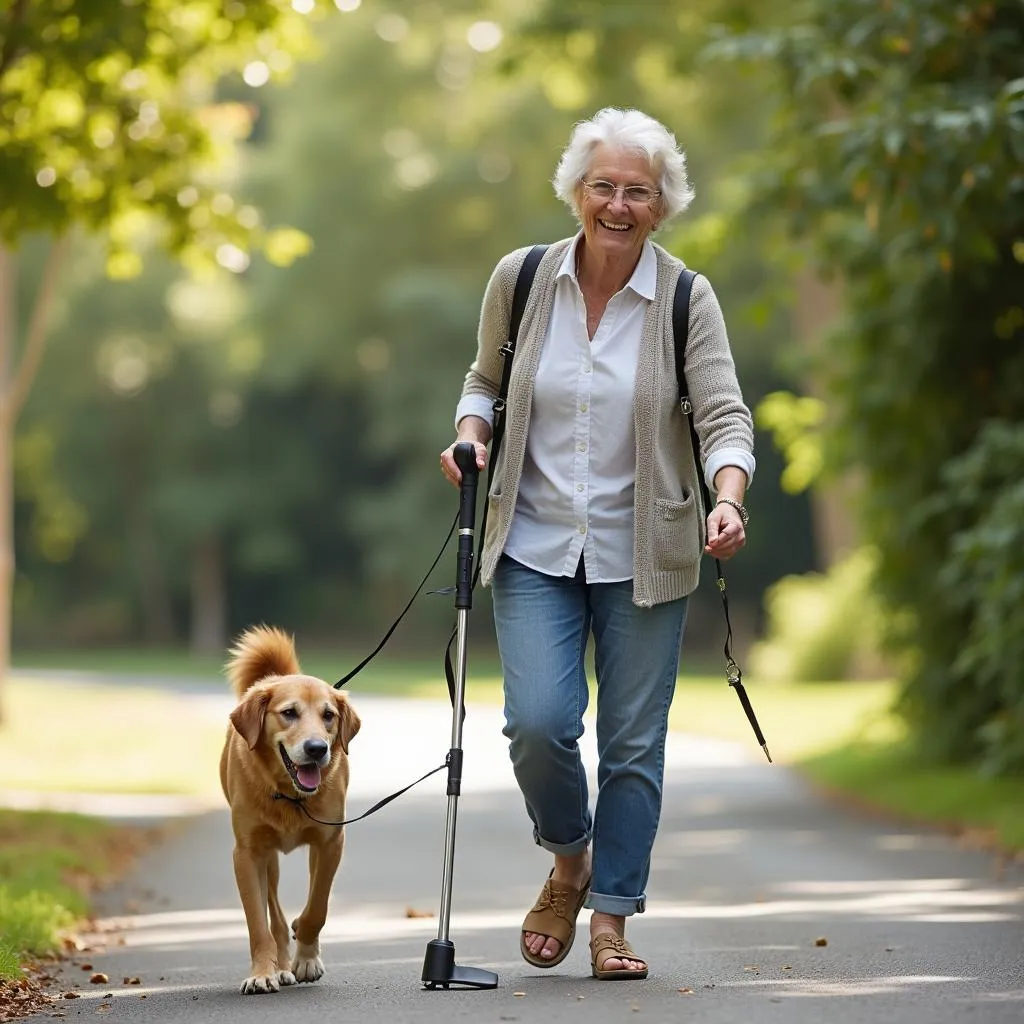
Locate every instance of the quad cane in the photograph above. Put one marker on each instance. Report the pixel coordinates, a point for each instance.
(439, 967)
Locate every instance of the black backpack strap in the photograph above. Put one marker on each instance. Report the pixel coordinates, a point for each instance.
(524, 282)
(680, 334)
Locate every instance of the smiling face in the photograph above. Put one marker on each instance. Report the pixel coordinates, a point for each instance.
(299, 724)
(614, 227)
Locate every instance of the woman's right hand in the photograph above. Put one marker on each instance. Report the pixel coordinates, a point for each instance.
(451, 470)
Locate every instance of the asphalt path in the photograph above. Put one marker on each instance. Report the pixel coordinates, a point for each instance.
(766, 903)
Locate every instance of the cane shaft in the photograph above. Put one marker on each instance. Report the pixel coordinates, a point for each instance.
(454, 773)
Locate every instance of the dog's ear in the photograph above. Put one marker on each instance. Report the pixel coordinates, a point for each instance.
(248, 717)
(348, 720)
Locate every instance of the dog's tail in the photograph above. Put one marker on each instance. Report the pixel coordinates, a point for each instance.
(260, 652)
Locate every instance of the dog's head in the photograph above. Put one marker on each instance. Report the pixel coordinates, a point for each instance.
(299, 726)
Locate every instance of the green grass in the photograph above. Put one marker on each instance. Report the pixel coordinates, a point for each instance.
(899, 780)
(9, 961)
(104, 738)
(49, 863)
(797, 719)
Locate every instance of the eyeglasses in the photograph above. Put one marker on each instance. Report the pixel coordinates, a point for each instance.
(639, 194)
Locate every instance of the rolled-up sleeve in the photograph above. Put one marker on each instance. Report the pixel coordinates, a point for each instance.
(475, 405)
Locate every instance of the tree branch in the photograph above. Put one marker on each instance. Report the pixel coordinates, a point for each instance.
(35, 342)
(7, 54)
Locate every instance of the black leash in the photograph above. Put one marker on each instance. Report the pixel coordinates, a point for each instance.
(680, 330)
(519, 297)
(298, 801)
(394, 625)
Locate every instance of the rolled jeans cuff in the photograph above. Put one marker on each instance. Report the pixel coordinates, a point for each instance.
(620, 906)
(563, 849)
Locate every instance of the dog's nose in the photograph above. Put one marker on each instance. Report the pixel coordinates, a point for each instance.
(315, 748)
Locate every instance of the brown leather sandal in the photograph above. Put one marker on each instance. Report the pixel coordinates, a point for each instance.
(607, 946)
(554, 914)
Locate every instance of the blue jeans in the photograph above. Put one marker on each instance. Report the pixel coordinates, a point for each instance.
(543, 624)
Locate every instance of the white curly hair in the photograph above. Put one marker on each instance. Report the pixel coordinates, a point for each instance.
(633, 131)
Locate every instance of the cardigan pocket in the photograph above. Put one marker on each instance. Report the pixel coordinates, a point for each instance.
(677, 534)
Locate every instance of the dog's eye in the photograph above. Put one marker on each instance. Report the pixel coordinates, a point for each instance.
(329, 717)
(290, 713)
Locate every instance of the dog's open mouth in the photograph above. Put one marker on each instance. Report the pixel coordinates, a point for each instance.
(305, 776)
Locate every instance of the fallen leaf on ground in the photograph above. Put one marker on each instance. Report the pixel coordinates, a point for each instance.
(98, 979)
(413, 912)
(821, 941)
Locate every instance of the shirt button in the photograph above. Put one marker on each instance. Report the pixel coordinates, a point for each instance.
(579, 487)
(581, 529)
(583, 407)
(581, 448)
(586, 369)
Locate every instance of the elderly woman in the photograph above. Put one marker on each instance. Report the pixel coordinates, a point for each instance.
(594, 522)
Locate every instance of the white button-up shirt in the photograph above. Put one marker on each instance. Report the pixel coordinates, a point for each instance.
(576, 493)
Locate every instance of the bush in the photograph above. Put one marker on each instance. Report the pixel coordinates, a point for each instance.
(984, 580)
(904, 177)
(822, 626)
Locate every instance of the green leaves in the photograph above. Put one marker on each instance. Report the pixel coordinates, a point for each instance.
(796, 425)
(897, 155)
(108, 118)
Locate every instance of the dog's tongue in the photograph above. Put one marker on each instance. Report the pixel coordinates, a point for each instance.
(308, 775)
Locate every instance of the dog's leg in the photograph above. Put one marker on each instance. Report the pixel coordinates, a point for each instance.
(323, 865)
(251, 877)
(278, 924)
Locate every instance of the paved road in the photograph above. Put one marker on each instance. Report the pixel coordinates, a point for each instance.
(751, 868)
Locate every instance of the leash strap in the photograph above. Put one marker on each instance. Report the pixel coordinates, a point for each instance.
(297, 801)
(680, 333)
(394, 625)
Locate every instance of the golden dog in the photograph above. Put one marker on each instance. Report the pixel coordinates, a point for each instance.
(289, 735)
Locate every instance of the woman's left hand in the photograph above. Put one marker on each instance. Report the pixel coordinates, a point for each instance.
(726, 534)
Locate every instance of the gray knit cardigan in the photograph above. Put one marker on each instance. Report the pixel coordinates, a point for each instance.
(669, 521)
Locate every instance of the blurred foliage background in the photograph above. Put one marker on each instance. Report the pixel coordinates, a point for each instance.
(253, 238)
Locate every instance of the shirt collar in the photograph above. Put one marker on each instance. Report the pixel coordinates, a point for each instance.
(645, 274)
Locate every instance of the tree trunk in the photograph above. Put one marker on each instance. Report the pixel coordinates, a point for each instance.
(148, 564)
(7, 420)
(16, 377)
(835, 534)
(209, 619)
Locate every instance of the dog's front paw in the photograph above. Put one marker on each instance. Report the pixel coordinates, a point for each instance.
(260, 982)
(307, 965)
(285, 978)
